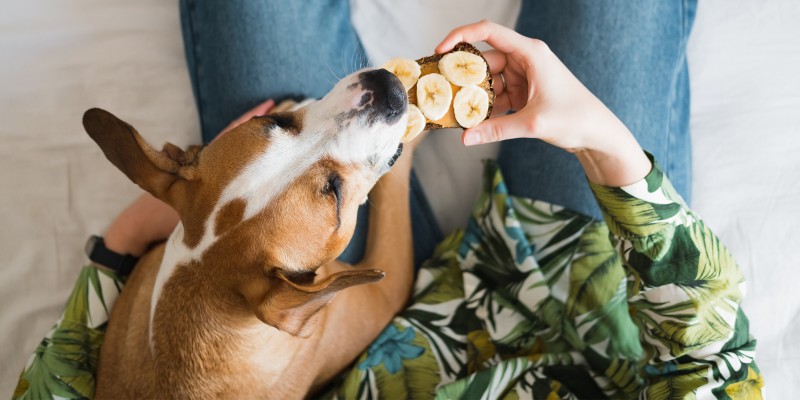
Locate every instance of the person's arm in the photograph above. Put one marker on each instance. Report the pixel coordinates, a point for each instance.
(685, 288)
(684, 293)
(389, 248)
(145, 221)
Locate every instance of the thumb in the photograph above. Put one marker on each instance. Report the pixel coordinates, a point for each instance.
(496, 129)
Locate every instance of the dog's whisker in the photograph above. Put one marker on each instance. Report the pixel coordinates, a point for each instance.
(355, 59)
(364, 60)
(333, 74)
(349, 60)
(342, 61)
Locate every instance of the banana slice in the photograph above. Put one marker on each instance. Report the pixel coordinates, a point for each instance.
(470, 106)
(416, 123)
(406, 70)
(434, 94)
(463, 68)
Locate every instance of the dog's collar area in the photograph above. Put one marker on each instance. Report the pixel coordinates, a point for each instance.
(396, 155)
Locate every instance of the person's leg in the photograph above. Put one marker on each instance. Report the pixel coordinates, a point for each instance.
(241, 52)
(632, 56)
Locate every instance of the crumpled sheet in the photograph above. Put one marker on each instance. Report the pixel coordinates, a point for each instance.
(61, 58)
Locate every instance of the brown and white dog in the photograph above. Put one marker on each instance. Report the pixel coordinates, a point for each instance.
(243, 300)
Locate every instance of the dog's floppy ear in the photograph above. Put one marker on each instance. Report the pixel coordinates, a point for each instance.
(292, 303)
(154, 171)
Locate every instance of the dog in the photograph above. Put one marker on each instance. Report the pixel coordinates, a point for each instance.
(245, 299)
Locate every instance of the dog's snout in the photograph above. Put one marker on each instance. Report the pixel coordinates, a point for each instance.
(388, 94)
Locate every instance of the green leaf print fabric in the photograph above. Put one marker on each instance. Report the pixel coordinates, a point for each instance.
(535, 301)
(64, 365)
(531, 300)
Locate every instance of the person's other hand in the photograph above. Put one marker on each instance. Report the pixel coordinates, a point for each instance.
(550, 104)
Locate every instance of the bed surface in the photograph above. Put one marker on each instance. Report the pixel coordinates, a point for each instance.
(61, 58)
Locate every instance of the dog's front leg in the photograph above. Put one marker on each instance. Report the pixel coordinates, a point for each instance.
(358, 314)
(389, 242)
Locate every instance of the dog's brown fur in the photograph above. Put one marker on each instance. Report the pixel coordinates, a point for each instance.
(249, 329)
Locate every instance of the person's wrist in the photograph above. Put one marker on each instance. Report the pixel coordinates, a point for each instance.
(616, 167)
(613, 157)
(123, 243)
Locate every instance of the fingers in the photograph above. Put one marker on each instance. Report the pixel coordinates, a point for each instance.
(502, 128)
(258, 110)
(502, 103)
(497, 60)
(498, 84)
(497, 64)
(498, 36)
(514, 94)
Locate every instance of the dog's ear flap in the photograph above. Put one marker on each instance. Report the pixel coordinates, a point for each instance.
(292, 303)
(154, 171)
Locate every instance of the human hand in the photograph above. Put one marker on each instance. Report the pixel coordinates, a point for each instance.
(551, 105)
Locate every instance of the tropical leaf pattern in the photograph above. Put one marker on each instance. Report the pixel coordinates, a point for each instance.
(64, 364)
(535, 301)
(531, 301)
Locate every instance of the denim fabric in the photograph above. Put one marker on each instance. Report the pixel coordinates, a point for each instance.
(632, 56)
(241, 52)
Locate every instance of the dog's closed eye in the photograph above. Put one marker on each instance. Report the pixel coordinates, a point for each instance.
(333, 187)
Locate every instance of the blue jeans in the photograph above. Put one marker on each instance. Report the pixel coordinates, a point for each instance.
(630, 54)
(241, 52)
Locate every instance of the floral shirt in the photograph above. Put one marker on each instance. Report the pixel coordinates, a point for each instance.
(531, 300)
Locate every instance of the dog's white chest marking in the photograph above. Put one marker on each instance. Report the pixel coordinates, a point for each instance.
(175, 253)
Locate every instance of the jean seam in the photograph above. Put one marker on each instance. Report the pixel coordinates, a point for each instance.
(669, 163)
(190, 8)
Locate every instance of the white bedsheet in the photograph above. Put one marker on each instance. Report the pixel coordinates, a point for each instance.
(61, 57)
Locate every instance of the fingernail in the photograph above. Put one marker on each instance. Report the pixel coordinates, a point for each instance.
(472, 138)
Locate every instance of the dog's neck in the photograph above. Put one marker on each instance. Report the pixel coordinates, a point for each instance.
(176, 253)
(219, 334)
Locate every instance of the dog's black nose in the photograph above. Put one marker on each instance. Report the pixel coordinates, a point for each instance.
(396, 96)
(388, 93)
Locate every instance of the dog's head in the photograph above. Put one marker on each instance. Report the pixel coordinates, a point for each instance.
(277, 196)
